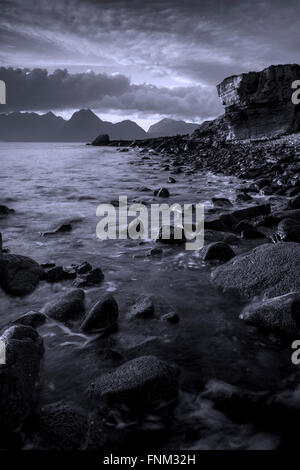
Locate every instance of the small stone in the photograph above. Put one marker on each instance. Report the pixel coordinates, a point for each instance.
(143, 308)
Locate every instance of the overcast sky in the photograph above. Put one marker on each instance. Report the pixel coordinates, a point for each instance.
(141, 60)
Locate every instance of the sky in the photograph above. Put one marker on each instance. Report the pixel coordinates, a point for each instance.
(140, 60)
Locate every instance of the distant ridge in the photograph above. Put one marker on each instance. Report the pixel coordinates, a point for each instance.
(83, 126)
(170, 127)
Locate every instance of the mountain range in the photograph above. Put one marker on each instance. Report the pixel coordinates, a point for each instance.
(83, 126)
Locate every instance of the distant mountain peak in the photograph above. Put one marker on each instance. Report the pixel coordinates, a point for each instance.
(170, 127)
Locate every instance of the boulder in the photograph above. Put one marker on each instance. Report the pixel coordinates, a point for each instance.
(143, 381)
(289, 230)
(90, 279)
(66, 307)
(19, 275)
(143, 308)
(61, 426)
(278, 315)
(229, 221)
(102, 139)
(104, 314)
(221, 202)
(19, 375)
(218, 251)
(32, 318)
(162, 192)
(270, 269)
(259, 104)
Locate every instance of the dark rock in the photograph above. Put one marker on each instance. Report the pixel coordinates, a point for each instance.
(61, 425)
(92, 278)
(278, 315)
(162, 192)
(167, 235)
(102, 315)
(171, 317)
(221, 202)
(228, 221)
(143, 308)
(32, 318)
(171, 180)
(19, 275)
(252, 234)
(19, 375)
(243, 197)
(270, 269)
(240, 405)
(289, 230)
(83, 268)
(155, 252)
(218, 251)
(102, 139)
(0, 242)
(258, 104)
(242, 226)
(65, 307)
(4, 210)
(55, 274)
(141, 382)
(61, 228)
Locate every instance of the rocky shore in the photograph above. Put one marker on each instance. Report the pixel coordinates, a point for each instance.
(140, 387)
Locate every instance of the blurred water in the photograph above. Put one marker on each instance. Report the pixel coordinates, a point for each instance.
(49, 182)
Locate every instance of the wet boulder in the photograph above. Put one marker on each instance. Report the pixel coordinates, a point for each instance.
(19, 275)
(141, 382)
(67, 306)
(270, 269)
(218, 251)
(60, 425)
(104, 314)
(162, 192)
(143, 308)
(289, 230)
(19, 375)
(229, 221)
(221, 202)
(279, 315)
(94, 277)
(32, 318)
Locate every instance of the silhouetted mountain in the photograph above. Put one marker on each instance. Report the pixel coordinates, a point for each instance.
(29, 126)
(169, 127)
(83, 126)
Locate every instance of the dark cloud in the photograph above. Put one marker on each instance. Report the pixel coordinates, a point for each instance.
(38, 89)
(171, 44)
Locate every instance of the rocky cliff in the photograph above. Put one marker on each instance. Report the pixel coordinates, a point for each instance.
(258, 104)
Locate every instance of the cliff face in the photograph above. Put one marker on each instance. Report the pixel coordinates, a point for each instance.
(259, 104)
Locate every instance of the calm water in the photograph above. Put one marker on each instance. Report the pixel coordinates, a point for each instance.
(49, 183)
